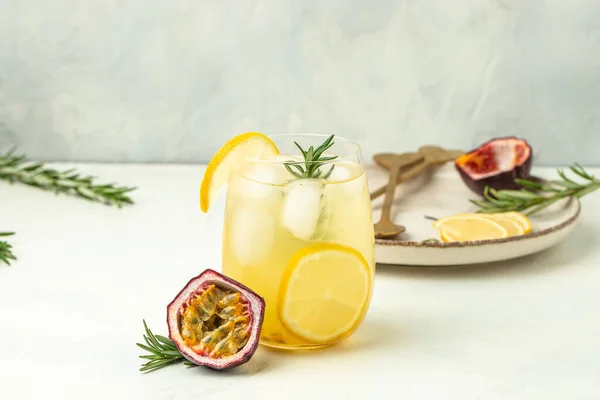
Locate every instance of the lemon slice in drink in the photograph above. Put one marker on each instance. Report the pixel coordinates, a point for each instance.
(250, 144)
(469, 227)
(324, 292)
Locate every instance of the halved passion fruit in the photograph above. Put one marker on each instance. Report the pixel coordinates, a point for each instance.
(496, 163)
(215, 321)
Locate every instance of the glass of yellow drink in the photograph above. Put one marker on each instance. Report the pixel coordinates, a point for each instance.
(298, 231)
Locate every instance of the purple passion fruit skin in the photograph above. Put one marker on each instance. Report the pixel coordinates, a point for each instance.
(496, 163)
(215, 321)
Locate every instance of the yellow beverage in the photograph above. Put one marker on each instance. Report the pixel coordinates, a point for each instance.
(304, 243)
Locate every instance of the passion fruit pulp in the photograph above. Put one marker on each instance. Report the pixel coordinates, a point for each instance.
(215, 321)
(496, 164)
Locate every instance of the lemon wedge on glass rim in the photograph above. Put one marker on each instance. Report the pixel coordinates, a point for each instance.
(324, 293)
(250, 144)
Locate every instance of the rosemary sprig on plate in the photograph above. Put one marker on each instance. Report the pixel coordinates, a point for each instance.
(17, 168)
(6, 253)
(313, 160)
(535, 196)
(162, 352)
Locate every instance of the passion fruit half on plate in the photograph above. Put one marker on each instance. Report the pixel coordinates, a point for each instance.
(215, 321)
(496, 163)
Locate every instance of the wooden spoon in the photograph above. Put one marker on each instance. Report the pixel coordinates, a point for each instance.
(432, 155)
(385, 227)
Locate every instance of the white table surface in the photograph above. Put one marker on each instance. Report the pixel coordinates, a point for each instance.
(71, 309)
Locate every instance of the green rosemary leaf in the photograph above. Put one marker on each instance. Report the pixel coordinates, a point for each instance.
(163, 351)
(564, 184)
(328, 158)
(149, 349)
(564, 177)
(67, 183)
(301, 149)
(287, 166)
(148, 342)
(483, 204)
(516, 194)
(490, 210)
(494, 201)
(328, 142)
(172, 353)
(313, 161)
(578, 169)
(166, 341)
(299, 168)
(328, 173)
(530, 201)
(85, 192)
(157, 364)
(586, 190)
(324, 146)
(540, 206)
(16, 168)
(32, 167)
(6, 254)
(529, 184)
(310, 153)
(148, 356)
(151, 335)
(493, 193)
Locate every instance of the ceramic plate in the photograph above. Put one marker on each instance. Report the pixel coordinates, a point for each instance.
(441, 192)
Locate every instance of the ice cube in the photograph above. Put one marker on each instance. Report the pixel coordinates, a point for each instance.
(305, 212)
(251, 235)
(347, 178)
(259, 183)
(269, 173)
(345, 171)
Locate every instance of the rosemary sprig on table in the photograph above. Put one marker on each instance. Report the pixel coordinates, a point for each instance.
(6, 253)
(535, 196)
(17, 168)
(163, 352)
(312, 161)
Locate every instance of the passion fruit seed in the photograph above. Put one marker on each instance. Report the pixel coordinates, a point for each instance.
(496, 164)
(215, 322)
(484, 162)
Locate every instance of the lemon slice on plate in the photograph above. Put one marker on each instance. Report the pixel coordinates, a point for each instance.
(324, 292)
(250, 144)
(513, 227)
(515, 218)
(469, 227)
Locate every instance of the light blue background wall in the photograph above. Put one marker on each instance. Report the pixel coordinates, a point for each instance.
(170, 80)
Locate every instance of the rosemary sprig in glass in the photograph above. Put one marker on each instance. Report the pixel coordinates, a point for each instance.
(17, 168)
(6, 253)
(162, 352)
(535, 196)
(313, 160)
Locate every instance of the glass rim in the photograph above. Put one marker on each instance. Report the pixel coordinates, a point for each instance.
(354, 153)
